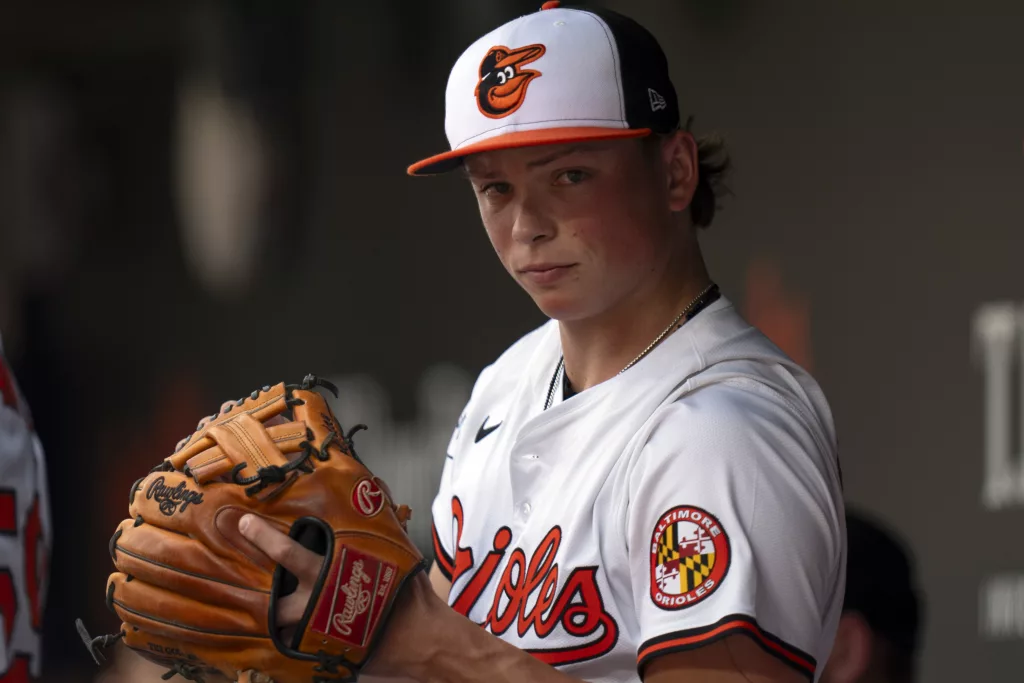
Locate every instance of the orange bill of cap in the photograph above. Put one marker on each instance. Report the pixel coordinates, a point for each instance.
(447, 161)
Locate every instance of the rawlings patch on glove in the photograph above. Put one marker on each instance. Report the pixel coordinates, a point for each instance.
(195, 595)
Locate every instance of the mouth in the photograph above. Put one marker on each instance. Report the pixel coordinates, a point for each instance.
(546, 273)
(543, 267)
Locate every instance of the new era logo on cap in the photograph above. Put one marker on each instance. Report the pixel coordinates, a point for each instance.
(557, 75)
(657, 101)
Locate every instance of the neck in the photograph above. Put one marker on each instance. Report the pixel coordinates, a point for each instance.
(598, 348)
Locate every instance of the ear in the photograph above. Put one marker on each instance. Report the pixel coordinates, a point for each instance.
(679, 155)
(851, 652)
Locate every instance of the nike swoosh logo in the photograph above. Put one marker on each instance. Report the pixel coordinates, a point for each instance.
(484, 430)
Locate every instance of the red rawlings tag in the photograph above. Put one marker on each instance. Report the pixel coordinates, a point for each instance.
(353, 597)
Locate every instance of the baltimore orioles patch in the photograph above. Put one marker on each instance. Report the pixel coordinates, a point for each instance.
(689, 557)
(502, 87)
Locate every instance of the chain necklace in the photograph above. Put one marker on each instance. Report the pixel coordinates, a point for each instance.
(707, 296)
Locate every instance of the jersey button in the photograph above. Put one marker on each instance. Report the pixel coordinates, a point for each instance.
(527, 508)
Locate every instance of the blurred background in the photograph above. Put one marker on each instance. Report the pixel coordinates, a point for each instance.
(178, 176)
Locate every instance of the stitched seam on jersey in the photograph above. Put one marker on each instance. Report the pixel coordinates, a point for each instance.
(766, 389)
(178, 570)
(752, 522)
(795, 406)
(702, 364)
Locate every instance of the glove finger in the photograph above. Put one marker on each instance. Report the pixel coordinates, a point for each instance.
(204, 588)
(218, 531)
(174, 551)
(168, 494)
(175, 616)
(220, 659)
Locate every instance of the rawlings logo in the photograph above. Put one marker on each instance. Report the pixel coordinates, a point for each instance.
(354, 597)
(368, 497)
(527, 598)
(170, 498)
(357, 599)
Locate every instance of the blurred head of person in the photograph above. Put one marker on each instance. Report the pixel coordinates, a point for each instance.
(879, 632)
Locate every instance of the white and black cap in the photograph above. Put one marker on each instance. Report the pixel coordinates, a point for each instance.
(562, 74)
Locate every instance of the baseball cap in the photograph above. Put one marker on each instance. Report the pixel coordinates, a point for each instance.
(561, 74)
(880, 582)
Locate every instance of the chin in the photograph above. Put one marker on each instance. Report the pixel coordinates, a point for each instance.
(561, 306)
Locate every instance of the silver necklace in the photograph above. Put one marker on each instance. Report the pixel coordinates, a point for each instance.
(692, 308)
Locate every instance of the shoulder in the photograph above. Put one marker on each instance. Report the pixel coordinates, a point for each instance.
(747, 379)
(744, 428)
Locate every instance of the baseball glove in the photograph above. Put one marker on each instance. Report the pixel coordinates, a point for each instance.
(193, 594)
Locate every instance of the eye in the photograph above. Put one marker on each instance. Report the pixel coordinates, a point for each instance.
(501, 78)
(572, 176)
(509, 72)
(494, 190)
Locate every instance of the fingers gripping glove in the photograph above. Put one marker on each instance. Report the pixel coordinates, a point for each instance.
(195, 595)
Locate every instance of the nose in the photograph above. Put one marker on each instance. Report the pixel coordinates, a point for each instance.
(532, 224)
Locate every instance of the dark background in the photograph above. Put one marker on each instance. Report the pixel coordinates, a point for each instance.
(197, 198)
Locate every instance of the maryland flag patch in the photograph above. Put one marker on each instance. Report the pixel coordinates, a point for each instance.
(689, 557)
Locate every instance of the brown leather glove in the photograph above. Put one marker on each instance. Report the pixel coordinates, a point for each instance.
(196, 596)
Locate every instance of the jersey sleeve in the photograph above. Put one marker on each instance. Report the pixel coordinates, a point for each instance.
(734, 526)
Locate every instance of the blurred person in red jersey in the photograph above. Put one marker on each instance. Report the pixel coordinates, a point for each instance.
(25, 535)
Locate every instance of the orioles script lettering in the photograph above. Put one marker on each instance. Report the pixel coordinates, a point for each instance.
(528, 595)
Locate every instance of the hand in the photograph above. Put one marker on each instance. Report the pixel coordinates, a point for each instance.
(293, 556)
(414, 606)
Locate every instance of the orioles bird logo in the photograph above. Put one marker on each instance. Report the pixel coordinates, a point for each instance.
(502, 86)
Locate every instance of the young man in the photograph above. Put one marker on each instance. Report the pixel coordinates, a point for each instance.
(644, 487)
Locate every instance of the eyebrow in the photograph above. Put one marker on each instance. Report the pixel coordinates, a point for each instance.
(536, 163)
(544, 161)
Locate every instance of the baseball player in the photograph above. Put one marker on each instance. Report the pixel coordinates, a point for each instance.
(25, 535)
(644, 488)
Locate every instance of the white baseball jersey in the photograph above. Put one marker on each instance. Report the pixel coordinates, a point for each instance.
(694, 496)
(24, 536)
